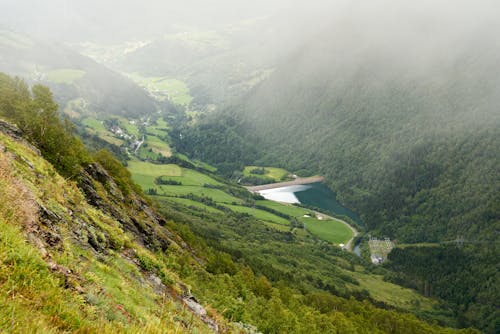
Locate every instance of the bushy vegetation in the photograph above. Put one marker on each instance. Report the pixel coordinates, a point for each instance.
(36, 114)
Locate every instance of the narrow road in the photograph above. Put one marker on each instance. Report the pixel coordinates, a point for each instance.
(297, 181)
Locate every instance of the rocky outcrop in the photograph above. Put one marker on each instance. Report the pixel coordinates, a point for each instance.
(10, 130)
(15, 133)
(131, 211)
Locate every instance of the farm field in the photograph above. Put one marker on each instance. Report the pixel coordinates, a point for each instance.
(259, 214)
(158, 146)
(392, 294)
(217, 195)
(93, 124)
(277, 174)
(162, 88)
(190, 203)
(291, 210)
(130, 128)
(145, 173)
(331, 230)
(159, 129)
(197, 163)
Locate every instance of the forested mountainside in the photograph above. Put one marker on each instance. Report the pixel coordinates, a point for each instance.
(409, 138)
(83, 250)
(79, 83)
(415, 151)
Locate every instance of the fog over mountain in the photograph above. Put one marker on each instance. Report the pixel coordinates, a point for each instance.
(394, 105)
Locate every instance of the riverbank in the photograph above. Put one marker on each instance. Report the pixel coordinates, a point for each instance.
(297, 181)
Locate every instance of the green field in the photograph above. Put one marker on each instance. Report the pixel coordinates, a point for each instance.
(145, 173)
(93, 124)
(290, 210)
(190, 203)
(160, 128)
(158, 146)
(277, 174)
(161, 88)
(112, 140)
(65, 75)
(259, 214)
(217, 195)
(130, 128)
(96, 127)
(197, 163)
(147, 153)
(331, 230)
(392, 294)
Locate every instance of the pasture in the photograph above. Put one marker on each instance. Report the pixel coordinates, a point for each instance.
(331, 230)
(277, 174)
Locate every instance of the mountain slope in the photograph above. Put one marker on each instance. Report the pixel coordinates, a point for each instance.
(71, 76)
(88, 253)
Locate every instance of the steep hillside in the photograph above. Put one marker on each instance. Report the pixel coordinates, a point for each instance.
(404, 142)
(71, 261)
(408, 134)
(88, 253)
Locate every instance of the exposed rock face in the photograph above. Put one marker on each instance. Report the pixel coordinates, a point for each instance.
(10, 130)
(131, 211)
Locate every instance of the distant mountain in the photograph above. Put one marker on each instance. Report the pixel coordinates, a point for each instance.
(72, 76)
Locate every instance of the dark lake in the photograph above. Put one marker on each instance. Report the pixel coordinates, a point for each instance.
(320, 196)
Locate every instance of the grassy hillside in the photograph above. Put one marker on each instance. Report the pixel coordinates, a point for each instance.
(88, 253)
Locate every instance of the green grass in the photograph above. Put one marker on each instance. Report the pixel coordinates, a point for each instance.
(197, 163)
(161, 87)
(147, 153)
(93, 124)
(128, 127)
(217, 195)
(112, 140)
(145, 173)
(333, 230)
(277, 174)
(158, 146)
(191, 203)
(160, 128)
(392, 294)
(65, 75)
(290, 210)
(96, 126)
(259, 214)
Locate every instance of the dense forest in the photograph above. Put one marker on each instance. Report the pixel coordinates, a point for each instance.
(414, 150)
